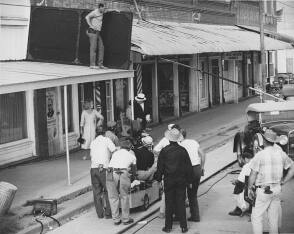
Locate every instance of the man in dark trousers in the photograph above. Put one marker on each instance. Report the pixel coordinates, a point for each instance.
(140, 110)
(175, 167)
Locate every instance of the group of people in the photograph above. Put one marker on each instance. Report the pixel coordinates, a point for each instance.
(176, 162)
(267, 172)
(180, 166)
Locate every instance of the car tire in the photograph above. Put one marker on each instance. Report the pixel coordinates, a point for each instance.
(239, 154)
(146, 203)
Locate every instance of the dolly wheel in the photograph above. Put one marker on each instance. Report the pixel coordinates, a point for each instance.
(146, 202)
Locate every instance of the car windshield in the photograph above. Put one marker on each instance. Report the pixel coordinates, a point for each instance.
(277, 116)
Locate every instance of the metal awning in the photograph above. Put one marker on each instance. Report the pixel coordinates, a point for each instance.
(25, 75)
(170, 38)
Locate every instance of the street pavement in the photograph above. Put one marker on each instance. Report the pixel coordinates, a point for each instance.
(48, 179)
(88, 223)
(214, 208)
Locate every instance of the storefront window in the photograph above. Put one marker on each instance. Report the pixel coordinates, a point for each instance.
(12, 117)
(166, 94)
(184, 88)
(69, 109)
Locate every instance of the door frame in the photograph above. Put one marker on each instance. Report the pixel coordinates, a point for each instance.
(218, 57)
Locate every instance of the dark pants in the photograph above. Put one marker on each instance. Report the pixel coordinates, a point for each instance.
(98, 180)
(192, 193)
(175, 195)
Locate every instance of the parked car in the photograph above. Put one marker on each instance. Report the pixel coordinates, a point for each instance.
(284, 78)
(278, 116)
(287, 92)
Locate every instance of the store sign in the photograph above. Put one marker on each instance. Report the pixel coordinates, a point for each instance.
(233, 56)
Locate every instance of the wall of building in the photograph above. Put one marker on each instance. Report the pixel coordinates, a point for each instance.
(14, 29)
(247, 13)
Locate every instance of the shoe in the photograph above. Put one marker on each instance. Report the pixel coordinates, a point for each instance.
(167, 230)
(236, 212)
(117, 223)
(102, 67)
(193, 219)
(129, 222)
(161, 215)
(184, 230)
(108, 217)
(94, 67)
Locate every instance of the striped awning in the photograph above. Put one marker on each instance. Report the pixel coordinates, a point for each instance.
(170, 38)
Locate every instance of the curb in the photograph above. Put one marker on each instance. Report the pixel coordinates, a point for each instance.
(62, 217)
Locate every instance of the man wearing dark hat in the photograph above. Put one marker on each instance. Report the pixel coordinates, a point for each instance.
(175, 167)
(140, 111)
(266, 175)
(118, 182)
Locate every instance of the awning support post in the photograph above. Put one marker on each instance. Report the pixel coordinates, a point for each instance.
(132, 96)
(66, 134)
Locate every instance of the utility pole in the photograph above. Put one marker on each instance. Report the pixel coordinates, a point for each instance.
(262, 51)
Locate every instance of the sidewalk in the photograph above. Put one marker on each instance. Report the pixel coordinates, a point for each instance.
(48, 178)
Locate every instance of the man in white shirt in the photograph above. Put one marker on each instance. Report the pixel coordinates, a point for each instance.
(100, 151)
(94, 20)
(197, 157)
(242, 205)
(118, 182)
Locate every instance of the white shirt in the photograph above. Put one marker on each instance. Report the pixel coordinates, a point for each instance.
(96, 19)
(101, 149)
(244, 172)
(161, 144)
(192, 148)
(122, 159)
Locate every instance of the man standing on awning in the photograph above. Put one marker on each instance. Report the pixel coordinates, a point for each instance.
(94, 20)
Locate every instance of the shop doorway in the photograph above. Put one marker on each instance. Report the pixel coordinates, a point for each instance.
(166, 92)
(53, 121)
(239, 77)
(215, 82)
(184, 88)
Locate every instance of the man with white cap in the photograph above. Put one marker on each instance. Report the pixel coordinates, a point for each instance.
(140, 111)
(175, 168)
(145, 159)
(266, 176)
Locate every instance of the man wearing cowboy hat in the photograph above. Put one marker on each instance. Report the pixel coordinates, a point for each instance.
(140, 111)
(266, 175)
(175, 167)
(145, 159)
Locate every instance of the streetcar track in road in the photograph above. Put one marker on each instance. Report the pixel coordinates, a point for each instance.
(145, 218)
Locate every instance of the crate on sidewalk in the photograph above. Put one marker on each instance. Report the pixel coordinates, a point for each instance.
(7, 193)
